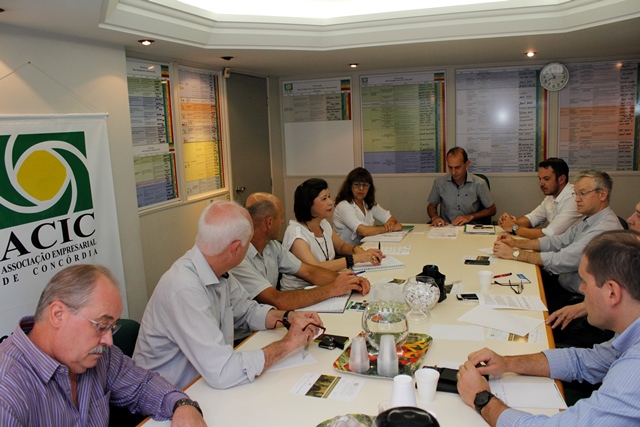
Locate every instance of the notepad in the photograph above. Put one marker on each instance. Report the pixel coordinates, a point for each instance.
(479, 229)
(388, 263)
(392, 236)
(331, 305)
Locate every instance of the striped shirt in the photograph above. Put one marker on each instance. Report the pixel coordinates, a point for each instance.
(616, 403)
(35, 390)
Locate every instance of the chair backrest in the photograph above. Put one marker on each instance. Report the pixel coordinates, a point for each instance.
(485, 220)
(127, 336)
(623, 223)
(485, 178)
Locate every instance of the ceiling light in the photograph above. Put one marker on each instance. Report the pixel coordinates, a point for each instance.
(353, 65)
(145, 42)
(531, 54)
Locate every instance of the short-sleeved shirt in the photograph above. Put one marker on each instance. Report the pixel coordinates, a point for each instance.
(471, 197)
(321, 248)
(561, 212)
(188, 326)
(258, 272)
(347, 216)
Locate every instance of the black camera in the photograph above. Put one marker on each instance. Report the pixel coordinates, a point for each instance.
(431, 270)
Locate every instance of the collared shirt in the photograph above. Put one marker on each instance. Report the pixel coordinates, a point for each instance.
(348, 216)
(321, 248)
(35, 390)
(561, 212)
(187, 327)
(470, 197)
(561, 254)
(258, 272)
(615, 363)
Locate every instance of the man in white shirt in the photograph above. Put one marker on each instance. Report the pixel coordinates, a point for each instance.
(558, 208)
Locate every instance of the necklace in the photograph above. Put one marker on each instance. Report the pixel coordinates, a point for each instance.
(325, 253)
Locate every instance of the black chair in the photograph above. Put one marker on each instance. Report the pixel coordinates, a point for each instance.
(486, 220)
(623, 223)
(125, 339)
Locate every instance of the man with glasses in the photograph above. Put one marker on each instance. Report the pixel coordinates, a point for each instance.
(188, 326)
(59, 367)
(265, 258)
(560, 255)
(463, 197)
(558, 207)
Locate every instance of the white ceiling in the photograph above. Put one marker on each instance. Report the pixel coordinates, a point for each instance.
(489, 33)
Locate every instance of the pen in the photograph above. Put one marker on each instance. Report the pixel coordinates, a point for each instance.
(502, 275)
(379, 246)
(355, 273)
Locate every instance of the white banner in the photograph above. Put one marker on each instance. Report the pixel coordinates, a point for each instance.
(57, 206)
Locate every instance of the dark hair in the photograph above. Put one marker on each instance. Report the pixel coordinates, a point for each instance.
(458, 150)
(559, 166)
(357, 175)
(615, 255)
(304, 197)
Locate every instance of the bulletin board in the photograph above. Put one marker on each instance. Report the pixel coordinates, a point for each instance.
(318, 129)
(403, 122)
(501, 118)
(599, 110)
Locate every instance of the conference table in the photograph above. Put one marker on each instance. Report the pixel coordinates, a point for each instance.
(269, 400)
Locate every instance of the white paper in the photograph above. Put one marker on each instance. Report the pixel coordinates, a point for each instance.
(457, 332)
(537, 336)
(488, 251)
(497, 319)
(328, 387)
(293, 359)
(517, 302)
(448, 232)
(330, 305)
(391, 250)
(519, 391)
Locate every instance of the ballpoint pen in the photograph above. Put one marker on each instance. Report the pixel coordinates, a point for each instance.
(355, 273)
(501, 275)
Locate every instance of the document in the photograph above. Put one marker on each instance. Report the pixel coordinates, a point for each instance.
(331, 387)
(497, 319)
(457, 332)
(479, 229)
(331, 305)
(517, 302)
(519, 391)
(393, 236)
(388, 263)
(293, 359)
(448, 232)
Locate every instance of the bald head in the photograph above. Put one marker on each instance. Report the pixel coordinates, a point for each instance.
(221, 223)
(261, 206)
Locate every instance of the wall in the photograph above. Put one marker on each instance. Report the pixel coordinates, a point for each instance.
(406, 195)
(95, 73)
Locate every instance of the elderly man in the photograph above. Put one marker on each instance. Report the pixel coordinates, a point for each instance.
(463, 197)
(59, 368)
(558, 207)
(560, 255)
(611, 285)
(188, 326)
(258, 271)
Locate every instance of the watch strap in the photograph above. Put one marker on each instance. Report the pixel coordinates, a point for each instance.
(285, 317)
(189, 402)
(482, 399)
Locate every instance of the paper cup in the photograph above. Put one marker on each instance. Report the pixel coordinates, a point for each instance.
(427, 382)
(485, 277)
(403, 392)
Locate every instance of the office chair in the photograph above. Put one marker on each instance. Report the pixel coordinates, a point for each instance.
(623, 223)
(125, 339)
(486, 220)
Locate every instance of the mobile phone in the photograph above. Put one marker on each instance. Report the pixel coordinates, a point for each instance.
(477, 262)
(467, 297)
(332, 341)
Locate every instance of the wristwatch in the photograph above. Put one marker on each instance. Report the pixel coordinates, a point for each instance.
(514, 228)
(285, 317)
(482, 399)
(515, 254)
(183, 402)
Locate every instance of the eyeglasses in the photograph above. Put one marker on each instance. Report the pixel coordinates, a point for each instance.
(101, 328)
(584, 193)
(515, 287)
(363, 185)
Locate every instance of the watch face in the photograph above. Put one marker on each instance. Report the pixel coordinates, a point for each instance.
(554, 76)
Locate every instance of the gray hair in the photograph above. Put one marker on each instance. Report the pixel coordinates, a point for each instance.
(72, 286)
(601, 179)
(615, 255)
(221, 223)
(265, 208)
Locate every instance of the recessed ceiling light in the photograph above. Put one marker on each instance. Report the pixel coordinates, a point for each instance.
(531, 54)
(145, 42)
(353, 65)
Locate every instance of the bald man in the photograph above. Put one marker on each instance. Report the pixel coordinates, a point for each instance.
(258, 271)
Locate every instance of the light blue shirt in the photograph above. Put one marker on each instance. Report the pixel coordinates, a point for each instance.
(187, 328)
(615, 404)
(471, 197)
(561, 254)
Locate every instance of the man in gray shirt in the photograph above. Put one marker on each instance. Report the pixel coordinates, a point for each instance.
(463, 197)
(258, 271)
(560, 255)
(188, 326)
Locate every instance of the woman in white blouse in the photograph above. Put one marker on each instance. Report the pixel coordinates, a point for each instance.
(311, 238)
(357, 211)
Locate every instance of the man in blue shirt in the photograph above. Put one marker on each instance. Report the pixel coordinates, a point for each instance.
(611, 285)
